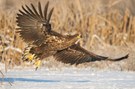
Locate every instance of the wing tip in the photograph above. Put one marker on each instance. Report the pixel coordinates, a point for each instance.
(121, 58)
(126, 56)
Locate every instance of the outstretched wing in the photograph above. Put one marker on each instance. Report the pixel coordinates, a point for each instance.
(34, 24)
(77, 55)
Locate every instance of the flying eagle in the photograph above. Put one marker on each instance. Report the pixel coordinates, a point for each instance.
(35, 29)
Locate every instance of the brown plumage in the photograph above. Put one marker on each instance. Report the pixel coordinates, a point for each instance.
(36, 30)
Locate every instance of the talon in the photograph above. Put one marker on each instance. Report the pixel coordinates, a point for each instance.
(30, 57)
(36, 68)
(37, 64)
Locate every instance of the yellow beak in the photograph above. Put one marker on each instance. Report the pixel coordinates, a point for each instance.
(79, 36)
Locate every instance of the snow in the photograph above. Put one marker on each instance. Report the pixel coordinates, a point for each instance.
(68, 78)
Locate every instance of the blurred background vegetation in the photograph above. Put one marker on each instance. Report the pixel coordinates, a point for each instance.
(107, 27)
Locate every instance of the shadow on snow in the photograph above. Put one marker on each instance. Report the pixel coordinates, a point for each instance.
(38, 80)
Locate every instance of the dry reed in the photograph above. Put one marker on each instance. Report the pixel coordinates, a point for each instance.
(100, 29)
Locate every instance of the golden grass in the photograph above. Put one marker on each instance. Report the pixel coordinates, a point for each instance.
(100, 29)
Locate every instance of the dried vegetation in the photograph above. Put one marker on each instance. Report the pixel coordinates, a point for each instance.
(106, 30)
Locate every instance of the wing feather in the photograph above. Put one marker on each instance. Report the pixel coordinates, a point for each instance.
(45, 10)
(36, 13)
(77, 55)
(50, 14)
(31, 22)
(40, 9)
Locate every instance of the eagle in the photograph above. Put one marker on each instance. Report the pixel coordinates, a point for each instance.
(36, 30)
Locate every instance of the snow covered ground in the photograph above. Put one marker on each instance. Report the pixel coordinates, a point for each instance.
(68, 78)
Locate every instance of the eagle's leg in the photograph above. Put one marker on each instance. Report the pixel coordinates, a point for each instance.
(30, 56)
(27, 56)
